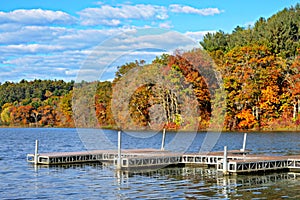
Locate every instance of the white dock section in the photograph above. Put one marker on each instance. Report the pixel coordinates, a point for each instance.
(237, 161)
(151, 161)
(85, 156)
(260, 163)
(294, 163)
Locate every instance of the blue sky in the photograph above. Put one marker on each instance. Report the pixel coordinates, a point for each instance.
(54, 39)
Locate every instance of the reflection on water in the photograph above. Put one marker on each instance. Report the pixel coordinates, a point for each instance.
(207, 183)
(185, 183)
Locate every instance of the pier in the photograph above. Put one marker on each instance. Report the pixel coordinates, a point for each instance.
(135, 159)
(227, 161)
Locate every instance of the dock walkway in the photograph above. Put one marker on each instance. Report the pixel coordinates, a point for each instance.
(132, 159)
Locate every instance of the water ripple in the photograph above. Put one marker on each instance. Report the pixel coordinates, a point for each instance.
(20, 180)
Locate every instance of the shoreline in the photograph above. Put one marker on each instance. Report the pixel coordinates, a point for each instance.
(149, 130)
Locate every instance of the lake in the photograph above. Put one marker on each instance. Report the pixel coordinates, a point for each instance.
(20, 180)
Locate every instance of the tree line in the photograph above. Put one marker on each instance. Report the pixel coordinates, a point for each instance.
(259, 68)
(36, 103)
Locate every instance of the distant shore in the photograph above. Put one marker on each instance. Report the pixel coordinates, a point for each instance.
(172, 130)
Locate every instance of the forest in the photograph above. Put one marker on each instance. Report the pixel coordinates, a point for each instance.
(259, 69)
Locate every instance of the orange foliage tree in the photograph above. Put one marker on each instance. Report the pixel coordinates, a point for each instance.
(197, 71)
(253, 78)
(22, 115)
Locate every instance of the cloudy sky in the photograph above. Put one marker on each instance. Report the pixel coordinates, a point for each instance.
(57, 39)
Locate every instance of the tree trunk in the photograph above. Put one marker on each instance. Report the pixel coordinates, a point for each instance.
(298, 105)
(256, 113)
(294, 111)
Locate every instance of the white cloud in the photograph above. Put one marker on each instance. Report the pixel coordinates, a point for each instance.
(197, 35)
(72, 72)
(9, 27)
(69, 38)
(30, 52)
(30, 48)
(114, 15)
(176, 8)
(36, 17)
(59, 66)
(95, 16)
(145, 38)
(38, 43)
(30, 34)
(112, 22)
(129, 46)
(166, 25)
(65, 50)
(63, 60)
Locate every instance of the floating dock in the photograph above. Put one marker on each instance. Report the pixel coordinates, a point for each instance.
(258, 163)
(109, 156)
(228, 162)
(134, 159)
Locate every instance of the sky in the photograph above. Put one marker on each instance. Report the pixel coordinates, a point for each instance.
(88, 39)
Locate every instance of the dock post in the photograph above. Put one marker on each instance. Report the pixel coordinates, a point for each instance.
(119, 150)
(163, 140)
(225, 164)
(36, 152)
(244, 142)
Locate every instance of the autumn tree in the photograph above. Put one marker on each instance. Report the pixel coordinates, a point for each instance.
(65, 106)
(22, 115)
(197, 69)
(5, 114)
(48, 116)
(293, 79)
(253, 80)
(103, 104)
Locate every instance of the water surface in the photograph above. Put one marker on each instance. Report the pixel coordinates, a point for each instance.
(20, 180)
